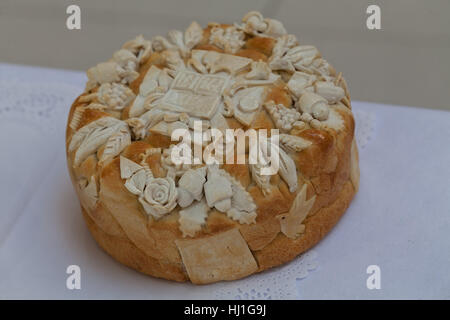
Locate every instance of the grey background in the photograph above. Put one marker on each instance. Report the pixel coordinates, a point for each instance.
(406, 63)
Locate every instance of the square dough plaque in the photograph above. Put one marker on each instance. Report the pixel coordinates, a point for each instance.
(224, 256)
(196, 94)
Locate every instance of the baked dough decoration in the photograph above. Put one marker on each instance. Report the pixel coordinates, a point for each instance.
(209, 222)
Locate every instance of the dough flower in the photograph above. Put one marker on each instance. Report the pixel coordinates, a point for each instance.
(159, 197)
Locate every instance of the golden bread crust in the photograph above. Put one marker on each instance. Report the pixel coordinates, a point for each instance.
(280, 250)
(291, 211)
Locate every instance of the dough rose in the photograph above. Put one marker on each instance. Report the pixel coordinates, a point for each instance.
(159, 197)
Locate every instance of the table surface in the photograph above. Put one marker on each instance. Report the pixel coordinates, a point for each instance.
(399, 220)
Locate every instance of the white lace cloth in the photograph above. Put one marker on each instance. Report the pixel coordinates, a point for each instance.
(365, 121)
(275, 284)
(42, 231)
(38, 108)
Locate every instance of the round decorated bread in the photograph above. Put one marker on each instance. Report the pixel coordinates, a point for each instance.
(207, 221)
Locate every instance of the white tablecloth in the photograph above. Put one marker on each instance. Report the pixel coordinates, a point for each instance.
(399, 220)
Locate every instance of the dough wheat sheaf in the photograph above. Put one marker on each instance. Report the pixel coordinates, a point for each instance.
(207, 223)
